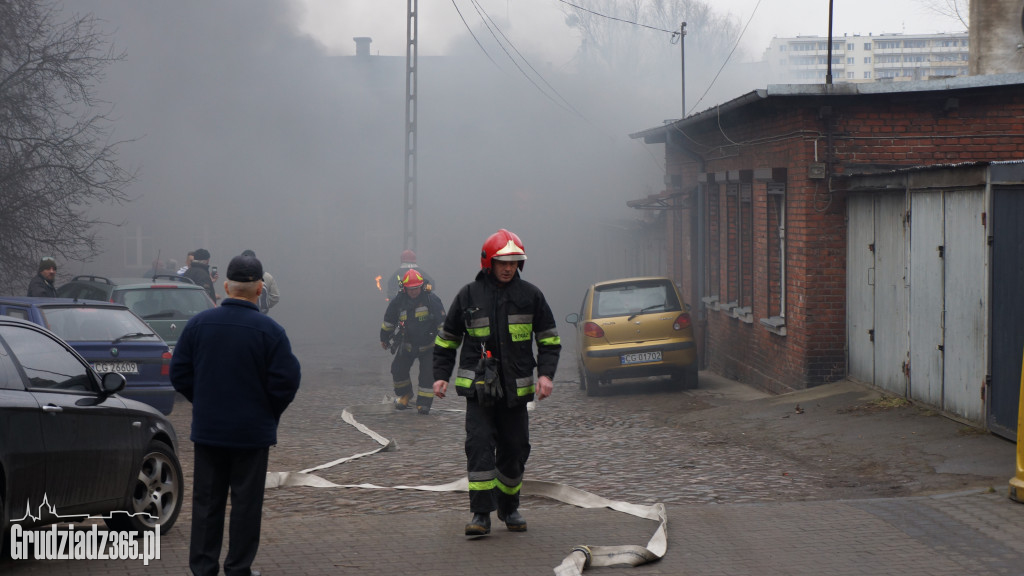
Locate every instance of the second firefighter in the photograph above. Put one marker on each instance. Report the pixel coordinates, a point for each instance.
(410, 324)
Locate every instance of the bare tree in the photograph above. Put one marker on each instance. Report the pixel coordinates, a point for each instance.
(56, 157)
(953, 9)
(633, 37)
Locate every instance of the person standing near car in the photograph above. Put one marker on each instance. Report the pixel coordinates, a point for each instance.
(496, 318)
(188, 262)
(42, 283)
(199, 272)
(237, 368)
(270, 295)
(413, 317)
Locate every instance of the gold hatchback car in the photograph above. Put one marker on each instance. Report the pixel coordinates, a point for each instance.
(634, 328)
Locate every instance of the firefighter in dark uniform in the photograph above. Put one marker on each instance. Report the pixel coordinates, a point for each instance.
(410, 324)
(408, 258)
(496, 319)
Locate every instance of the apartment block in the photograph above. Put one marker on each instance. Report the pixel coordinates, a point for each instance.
(886, 57)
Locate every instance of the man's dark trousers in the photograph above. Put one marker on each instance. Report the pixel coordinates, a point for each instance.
(244, 471)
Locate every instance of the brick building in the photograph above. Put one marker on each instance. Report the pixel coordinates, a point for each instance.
(756, 207)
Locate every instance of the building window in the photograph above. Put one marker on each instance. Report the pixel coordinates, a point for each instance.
(730, 228)
(849, 60)
(867, 45)
(850, 75)
(745, 276)
(867, 75)
(851, 47)
(776, 228)
(714, 247)
(867, 59)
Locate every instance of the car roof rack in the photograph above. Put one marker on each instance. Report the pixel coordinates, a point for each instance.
(93, 279)
(173, 277)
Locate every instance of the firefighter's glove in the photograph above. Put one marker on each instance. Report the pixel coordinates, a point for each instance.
(487, 383)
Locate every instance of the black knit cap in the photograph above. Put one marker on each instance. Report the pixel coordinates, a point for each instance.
(201, 254)
(245, 269)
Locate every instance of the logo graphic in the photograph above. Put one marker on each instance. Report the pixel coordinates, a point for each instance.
(67, 543)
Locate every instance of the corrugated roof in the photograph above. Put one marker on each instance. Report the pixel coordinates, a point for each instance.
(843, 89)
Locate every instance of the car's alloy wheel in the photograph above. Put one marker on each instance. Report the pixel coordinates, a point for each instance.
(156, 495)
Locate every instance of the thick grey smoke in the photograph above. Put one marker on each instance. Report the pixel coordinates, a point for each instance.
(251, 136)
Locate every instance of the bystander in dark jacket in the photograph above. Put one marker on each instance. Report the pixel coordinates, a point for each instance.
(42, 283)
(236, 366)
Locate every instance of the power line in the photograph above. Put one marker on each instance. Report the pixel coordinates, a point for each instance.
(673, 32)
(727, 58)
(525, 61)
(470, 30)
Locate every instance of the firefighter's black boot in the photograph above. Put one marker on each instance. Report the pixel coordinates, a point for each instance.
(402, 402)
(480, 525)
(513, 520)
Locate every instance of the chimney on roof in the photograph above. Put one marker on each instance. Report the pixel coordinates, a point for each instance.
(363, 45)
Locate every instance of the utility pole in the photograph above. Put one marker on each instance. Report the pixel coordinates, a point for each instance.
(682, 59)
(828, 73)
(411, 48)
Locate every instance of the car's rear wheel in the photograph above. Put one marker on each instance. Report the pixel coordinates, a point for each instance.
(592, 385)
(686, 379)
(156, 494)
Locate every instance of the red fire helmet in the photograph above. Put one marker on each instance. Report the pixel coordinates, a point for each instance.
(502, 245)
(412, 279)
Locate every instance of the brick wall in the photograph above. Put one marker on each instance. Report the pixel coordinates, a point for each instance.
(864, 133)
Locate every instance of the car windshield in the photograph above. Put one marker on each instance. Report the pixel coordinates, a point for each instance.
(83, 324)
(165, 302)
(634, 298)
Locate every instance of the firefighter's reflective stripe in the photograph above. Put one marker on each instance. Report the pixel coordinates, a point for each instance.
(510, 486)
(426, 347)
(524, 386)
(425, 392)
(402, 316)
(520, 327)
(485, 480)
(548, 338)
(387, 327)
(479, 328)
(422, 312)
(464, 378)
(447, 340)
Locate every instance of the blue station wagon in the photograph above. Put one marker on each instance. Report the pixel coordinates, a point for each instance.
(110, 337)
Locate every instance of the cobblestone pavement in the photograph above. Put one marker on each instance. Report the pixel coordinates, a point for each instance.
(743, 495)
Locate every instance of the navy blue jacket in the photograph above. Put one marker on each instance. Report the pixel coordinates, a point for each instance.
(235, 365)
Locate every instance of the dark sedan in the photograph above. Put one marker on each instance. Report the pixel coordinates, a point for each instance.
(69, 440)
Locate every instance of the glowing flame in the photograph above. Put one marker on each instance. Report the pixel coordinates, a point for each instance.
(378, 282)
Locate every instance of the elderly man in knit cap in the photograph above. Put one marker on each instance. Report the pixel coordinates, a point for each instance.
(42, 283)
(237, 369)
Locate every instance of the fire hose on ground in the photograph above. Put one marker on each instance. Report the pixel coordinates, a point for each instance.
(579, 559)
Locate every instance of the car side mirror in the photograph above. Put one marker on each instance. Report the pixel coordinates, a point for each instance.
(572, 318)
(111, 383)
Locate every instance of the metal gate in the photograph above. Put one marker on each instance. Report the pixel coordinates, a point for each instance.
(948, 301)
(876, 290)
(1007, 343)
(917, 296)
